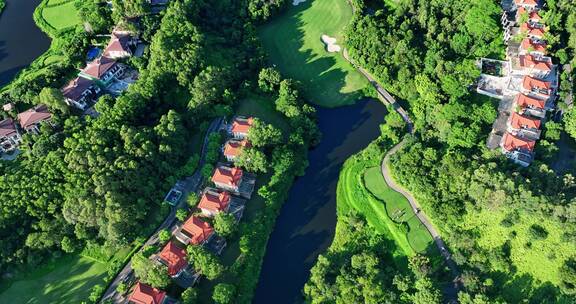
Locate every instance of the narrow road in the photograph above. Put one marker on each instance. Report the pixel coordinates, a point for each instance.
(389, 99)
(187, 185)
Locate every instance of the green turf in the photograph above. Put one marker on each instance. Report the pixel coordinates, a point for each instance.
(68, 280)
(61, 16)
(264, 109)
(293, 43)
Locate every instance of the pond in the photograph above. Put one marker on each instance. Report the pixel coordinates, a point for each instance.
(306, 225)
(21, 41)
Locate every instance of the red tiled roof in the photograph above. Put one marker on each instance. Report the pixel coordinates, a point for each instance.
(145, 294)
(7, 127)
(528, 61)
(174, 257)
(214, 201)
(198, 229)
(34, 116)
(242, 125)
(525, 2)
(529, 82)
(511, 143)
(228, 176)
(99, 67)
(76, 87)
(533, 31)
(528, 44)
(234, 147)
(518, 121)
(118, 43)
(526, 101)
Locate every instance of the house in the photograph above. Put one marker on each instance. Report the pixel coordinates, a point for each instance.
(528, 46)
(227, 178)
(145, 294)
(102, 70)
(240, 127)
(524, 126)
(529, 5)
(539, 67)
(79, 92)
(195, 231)
(527, 105)
(537, 87)
(174, 258)
(233, 148)
(532, 32)
(9, 136)
(119, 46)
(30, 120)
(518, 149)
(533, 16)
(214, 201)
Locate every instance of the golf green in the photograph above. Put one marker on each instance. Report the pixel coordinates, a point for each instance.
(293, 42)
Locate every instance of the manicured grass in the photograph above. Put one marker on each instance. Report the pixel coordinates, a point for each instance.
(351, 194)
(398, 209)
(264, 109)
(61, 16)
(293, 43)
(67, 280)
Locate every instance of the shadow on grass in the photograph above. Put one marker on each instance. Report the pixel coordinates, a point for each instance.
(321, 76)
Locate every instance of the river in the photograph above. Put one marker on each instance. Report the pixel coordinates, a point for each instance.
(21, 41)
(306, 224)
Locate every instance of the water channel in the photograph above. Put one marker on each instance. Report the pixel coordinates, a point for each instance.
(21, 41)
(306, 225)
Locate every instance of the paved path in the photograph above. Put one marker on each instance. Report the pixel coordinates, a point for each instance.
(187, 185)
(389, 99)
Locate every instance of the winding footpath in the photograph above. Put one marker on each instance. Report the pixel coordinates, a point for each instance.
(389, 99)
(189, 184)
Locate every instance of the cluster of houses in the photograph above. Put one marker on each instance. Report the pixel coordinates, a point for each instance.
(232, 187)
(525, 83)
(102, 73)
(27, 122)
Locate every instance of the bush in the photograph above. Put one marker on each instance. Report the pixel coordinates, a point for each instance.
(538, 232)
(223, 293)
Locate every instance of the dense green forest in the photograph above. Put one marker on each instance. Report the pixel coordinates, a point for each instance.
(88, 180)
(511, 230)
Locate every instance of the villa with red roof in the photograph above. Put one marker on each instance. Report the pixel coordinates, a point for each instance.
(240, 127)
(9, 136)
(146, 294)
(537, 87)
(102, 69)
(524, 126)
(228, 178)
(233, 148)
(533, 16)
(119, 46)
(531, 31)
(525, 101)
(521, 151)
(214, 201)
(539, 67)
(174, 258)
(195, 231)
(30, 120)
(79, 91)
(528, 46)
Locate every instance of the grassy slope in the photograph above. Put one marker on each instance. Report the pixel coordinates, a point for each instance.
(293, 42)
(61, 16)
(68, 280)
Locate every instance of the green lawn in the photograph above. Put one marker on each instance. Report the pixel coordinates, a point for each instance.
(293, 43)
(61, 16)
(264, 109)
(67, 280)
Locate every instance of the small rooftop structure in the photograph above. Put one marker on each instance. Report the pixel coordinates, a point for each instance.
(174, 258)
(145, 294)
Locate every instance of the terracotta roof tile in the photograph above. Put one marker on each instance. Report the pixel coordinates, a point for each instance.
(198, 229)
(512, 143)
(214, 201)
(34, 116)
(174, 257)
(228, 176)
(518, 121)
(7, 127)
(145, 294)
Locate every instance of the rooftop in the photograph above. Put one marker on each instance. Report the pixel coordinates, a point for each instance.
(118, 43)
(228, 176)
(99, 67)
(518, 121)
(530, 83)
(7, 127)
(214, 200)
(242, 124)
(528, 44)
(234, 147)
(33, 116)
(198, 230)
(74, 89)
(530, 102)
(174, 257)
(529, 61)
(145, 294)
(512, 143)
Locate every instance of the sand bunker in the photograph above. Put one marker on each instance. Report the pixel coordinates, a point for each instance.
(331, 45)
(296, 2)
